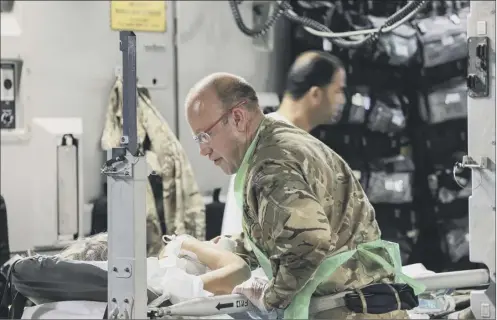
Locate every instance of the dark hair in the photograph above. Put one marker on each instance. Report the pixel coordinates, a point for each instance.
(318, 71)
(233, 90)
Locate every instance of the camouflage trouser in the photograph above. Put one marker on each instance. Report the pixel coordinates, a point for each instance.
(343, 313)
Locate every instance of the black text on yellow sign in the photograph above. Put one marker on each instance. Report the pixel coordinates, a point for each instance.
(147, 16)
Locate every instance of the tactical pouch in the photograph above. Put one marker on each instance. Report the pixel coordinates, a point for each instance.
(357, 106)
(390, 180)
(443, 40)
(381, 298)
(444, 102)
(387, 115)
(396, 48)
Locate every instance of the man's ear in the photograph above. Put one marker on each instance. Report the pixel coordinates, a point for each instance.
(239, 118)
(315, 93)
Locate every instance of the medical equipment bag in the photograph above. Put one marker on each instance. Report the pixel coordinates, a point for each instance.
(444, 102)
(357, 106)
(443, 39)
(396, 48)
(390, 180)
(387, 114)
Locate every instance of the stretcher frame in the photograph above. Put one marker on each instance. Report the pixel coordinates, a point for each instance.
(126, 172)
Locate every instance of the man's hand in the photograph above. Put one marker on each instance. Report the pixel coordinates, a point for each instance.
(254, 289)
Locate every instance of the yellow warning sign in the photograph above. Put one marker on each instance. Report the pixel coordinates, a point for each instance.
(148, 16)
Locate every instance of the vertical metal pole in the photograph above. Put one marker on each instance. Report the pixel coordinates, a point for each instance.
(127, 177)
(128, 48)
(481, 148)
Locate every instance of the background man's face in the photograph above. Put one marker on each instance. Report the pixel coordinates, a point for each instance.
(334, 97)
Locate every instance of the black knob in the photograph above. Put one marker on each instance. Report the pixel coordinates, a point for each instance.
(6, 118)
(7, 84)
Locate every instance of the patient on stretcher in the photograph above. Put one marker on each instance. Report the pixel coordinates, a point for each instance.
(210, 265)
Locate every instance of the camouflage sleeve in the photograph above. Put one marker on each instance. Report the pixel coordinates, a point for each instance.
(244, 251)
(297, 228)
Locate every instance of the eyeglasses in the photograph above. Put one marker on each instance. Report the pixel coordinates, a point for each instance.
(204, 136)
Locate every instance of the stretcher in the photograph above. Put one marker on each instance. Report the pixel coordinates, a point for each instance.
(64, 286)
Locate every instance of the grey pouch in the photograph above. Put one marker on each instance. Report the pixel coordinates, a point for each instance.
(358, 105)
(396, 48)
(390, 181)
(387, 115)
(443, 40)
(444, 102)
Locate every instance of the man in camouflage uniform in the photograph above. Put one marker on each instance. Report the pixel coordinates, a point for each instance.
(301, 202)
(184, 207)
(299, 107)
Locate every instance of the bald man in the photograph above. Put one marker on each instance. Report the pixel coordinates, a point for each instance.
(305, 215)
(303, 107)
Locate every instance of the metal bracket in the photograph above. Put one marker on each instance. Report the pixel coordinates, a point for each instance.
(127, 309)
(470, 163)
(121, 309)
(119, 165)
(478, 78)
(122, 269)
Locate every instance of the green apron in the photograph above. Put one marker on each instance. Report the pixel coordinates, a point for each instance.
(299, 307)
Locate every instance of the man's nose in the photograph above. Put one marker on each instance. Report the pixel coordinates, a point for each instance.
(204, 149)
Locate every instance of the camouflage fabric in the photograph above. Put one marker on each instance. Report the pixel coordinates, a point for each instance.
(244, 251)
(184, 206)
(302, 203)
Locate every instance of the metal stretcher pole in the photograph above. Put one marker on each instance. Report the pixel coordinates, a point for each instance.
(455, 279)
(126, 171)
(235, 303)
